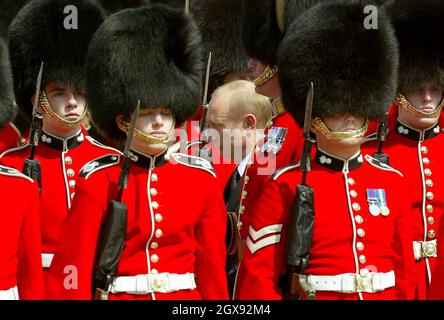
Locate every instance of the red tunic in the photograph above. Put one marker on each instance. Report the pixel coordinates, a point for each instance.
(10, 137)
(346, 237)
(418, 155)
(60, 162)
(176, 224)
(20, 262)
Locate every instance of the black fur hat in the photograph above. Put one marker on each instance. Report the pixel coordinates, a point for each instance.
(38, 33)
(354, 69)
(151, 53)
(9, 9)
(261, 33)
(219, 23)
(7, 109)
(112, 6)
(417, 24)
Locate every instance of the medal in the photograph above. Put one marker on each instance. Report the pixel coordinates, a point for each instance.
(383, 203)
(374, 210)
(385, 211)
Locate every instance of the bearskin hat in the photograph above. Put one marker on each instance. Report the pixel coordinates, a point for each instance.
(261, 33)
(7, 109)
(112, 6)
(40, 33)
(354, 69)
(421, 52)
(151, 53)
(9, 9)
(219, 24)
(178, 4)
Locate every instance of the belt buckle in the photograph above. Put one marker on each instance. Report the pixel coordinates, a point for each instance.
(363, 283)
(429, 249)
(158, 282)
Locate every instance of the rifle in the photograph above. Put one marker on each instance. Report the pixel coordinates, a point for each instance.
(113, 232)
(300, 229)
(382, 135)
(31, 167)
(203, 152)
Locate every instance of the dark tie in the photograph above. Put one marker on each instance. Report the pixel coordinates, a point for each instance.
(232, 192)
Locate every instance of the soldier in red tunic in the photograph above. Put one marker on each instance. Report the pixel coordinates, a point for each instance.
(415, 143)
(176, 221)
(38, 34)
(361, 239)
(20, 264)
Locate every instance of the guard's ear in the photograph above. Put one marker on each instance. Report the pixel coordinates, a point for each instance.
(119, 122)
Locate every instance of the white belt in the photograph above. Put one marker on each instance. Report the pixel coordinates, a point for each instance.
(425, 249)
(159, 282)
(10, 294)
(349, 282)
(47, 259)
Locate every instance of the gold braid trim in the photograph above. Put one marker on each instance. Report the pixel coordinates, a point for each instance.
(145, 138)
(402, 101)
(44, 103)
(266, 75)
(278, 107)
(332, 135)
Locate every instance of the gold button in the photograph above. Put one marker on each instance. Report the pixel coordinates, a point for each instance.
(158, 217)
(428, 172)
(424, 150)
(430, 195)
(356, 206)
(154, 177)
(429, 183)
(72, 183)
(351, 181)
(429, 208)
(239, 225)
(359, 219)
(360, 246)
(362, 259)
(431, 234)
(241, 209)
(155, 205)
(426, 161)
(154, 245)
(361, 232)
(72, 195)
(353, 193)
(430, 220)
(70, 172)
(154, 271)
(246, 179)
(154, 258)
(244, 194)
(68, 160)
(153, 192)
(158, 233)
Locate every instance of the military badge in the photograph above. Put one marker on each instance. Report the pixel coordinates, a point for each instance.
(275, 139)
(377, 202)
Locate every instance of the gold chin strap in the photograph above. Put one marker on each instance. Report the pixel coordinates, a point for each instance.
(402, 101)
(266, 75)
(145, 138)
(332, 135)
(277, 107)
(44, 103)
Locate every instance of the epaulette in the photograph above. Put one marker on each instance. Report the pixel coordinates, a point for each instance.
(98, 164)
(23, 146)
(283, 170)
(381, 165)
(101, 145)
(7, 171)
(194, 162)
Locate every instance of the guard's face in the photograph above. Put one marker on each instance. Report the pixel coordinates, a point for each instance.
(271, 88)
(68, 102)
(344, 123)
(426, 99)
(155, 122)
